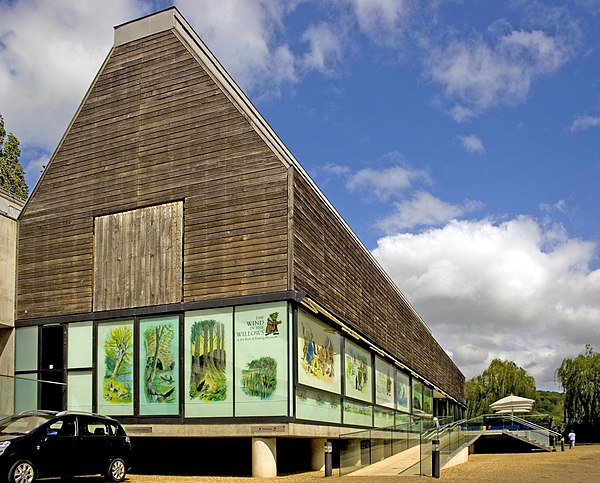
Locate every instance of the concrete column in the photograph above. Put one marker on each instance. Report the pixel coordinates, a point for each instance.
(264, 457)
(317, 454)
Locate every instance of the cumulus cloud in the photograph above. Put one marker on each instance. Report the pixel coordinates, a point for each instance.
(511, 289)
(49, 54)
(325, 50)
(472, 144)
(423, 209)
(584, 122)
(385, 183)
(243, 35)
(477, 74)
(384, 21)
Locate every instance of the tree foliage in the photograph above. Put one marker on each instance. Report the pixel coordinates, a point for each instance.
(500, 379)
(580, 379)
(12, 176)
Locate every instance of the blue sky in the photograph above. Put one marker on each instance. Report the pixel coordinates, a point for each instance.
(459, 141)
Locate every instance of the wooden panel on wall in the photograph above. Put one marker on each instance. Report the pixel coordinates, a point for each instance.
(138, 257)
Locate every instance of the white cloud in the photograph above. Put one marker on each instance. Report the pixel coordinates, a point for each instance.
(243, 35)
(385, 183)
(472, 143)
(477, 75)
(49, 54)
(384, 21)
(325, 50)
(423, 209)
(512, 290)
(584, 122)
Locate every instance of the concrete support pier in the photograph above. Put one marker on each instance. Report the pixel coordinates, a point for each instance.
(317, 454)
(264, 457)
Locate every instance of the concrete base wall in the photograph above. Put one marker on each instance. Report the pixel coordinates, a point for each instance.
(461, 457)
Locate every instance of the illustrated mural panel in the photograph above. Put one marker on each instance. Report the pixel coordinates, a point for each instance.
(427, 400)
(383, 419)
(358, 369)
(358, 413)
(417, 396)
(208, 363)
(159, 365)
(261, 360)
(384, 383)
(115, 368)
(318, 406)
(319, 360)
(402, 392)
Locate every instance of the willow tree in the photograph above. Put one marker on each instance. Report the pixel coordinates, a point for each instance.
(12, 176)
(580, 379)
(500, 379)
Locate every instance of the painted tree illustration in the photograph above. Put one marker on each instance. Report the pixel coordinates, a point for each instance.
(157, 342)
(259, 379)
(207, 378)
(118, 347)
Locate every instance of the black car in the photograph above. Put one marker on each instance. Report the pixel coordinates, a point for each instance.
(37, 444)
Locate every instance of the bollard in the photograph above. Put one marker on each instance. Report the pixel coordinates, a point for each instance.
(328, 458)
(435, 458)
(562, 443)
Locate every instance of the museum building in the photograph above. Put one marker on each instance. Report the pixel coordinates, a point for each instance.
(178, 269)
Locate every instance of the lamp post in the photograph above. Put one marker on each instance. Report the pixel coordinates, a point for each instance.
(435, 458)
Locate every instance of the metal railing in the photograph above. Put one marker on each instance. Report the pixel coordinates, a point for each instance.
(363, 448)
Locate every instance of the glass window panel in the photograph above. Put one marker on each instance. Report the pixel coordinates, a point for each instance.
(208, 376)
(385, 375)
(383, 419)
(26, 392)
(79, 391)
(427, 400)
(261, 359)
(26, 349)
(359, 373)
(115, 368)
(158, 365)
(417, 396)
(319, 358)
(402, 391)
(79, 345)
(358, 413)
(318, 406)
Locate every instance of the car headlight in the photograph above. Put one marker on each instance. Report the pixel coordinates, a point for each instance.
(3, 446)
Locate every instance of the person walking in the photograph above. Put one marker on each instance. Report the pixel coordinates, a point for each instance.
(572, 439)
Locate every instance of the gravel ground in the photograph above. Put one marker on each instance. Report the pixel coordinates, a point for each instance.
(581, 464)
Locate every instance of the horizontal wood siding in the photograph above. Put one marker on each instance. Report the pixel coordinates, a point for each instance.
(333, 268)
(154, 129)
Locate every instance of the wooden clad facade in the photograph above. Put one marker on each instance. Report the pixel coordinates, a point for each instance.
(155, 128)
(161, 126)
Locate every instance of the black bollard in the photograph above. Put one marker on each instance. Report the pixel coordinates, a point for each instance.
(562, 444)
(328, 458)
(435, 458)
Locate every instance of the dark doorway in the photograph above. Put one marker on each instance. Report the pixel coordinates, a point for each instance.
(52, 368)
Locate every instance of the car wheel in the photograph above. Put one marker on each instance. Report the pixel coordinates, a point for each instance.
(116, 470)
(21, 472)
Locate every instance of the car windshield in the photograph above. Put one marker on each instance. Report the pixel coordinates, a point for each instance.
(21, 424)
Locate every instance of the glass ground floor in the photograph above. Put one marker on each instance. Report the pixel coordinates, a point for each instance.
(275, 361)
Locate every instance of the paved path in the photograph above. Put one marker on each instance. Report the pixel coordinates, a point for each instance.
(580, 465)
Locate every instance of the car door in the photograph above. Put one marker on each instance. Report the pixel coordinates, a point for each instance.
(57, 452)
(94, 444)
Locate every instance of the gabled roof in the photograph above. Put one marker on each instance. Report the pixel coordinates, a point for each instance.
(171, 20)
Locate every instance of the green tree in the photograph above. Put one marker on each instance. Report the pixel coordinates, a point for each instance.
(500, 379)
(580, 379)
(12, 176)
